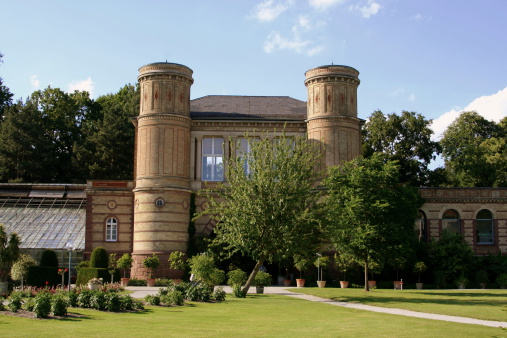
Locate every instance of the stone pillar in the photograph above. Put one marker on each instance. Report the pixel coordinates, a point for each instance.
(332, 112)
(162, 181)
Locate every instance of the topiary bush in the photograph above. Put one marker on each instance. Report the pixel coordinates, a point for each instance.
(99, 258)
(219, 294)
(49, 258)
(85, 274)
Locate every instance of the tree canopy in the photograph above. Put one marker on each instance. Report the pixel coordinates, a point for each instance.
(475, 151)
(405, 138)
(370, 216)
(269, 211)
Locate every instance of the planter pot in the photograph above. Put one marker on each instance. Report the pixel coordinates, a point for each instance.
(419, 286)
(372, 283)
(321, 283)
(482, 285)
(287, 282)
(92, 286)
(344, 284)
(150, 282)
(259, 289)
(300, 283)
(397, 285)
(177, 281)
(124, 281)
(461, 286)
(280, 280)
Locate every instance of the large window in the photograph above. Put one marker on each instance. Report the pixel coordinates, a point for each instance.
(450, 221)
(212, 159)
(111, 230)
(484, 227)
(243, 151)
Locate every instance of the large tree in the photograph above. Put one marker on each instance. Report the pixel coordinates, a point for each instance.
(268, 208)
(369, 214)
(474, 150)
(405, 138)
(5, 94)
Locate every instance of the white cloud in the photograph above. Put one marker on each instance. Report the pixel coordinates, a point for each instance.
(269, 10)
(396, 92)
(411, 97)
(419, 17)
(35, 82)
(492, 107)
(276, 41)
(324, 4)
(304, 23)
(315, 50)
(370, 8)
(84, 85)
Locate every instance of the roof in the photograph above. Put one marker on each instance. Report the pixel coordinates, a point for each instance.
(45, 216)
(248, 107)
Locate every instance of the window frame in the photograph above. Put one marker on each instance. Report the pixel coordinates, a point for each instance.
(217, 169)
(111, 229)
(457, 220)
(485, 221)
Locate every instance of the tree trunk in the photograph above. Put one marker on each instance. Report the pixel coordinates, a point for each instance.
(253, 274)
(366, 286)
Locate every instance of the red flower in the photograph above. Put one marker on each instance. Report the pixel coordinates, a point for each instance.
(47, 283)
(66, 270)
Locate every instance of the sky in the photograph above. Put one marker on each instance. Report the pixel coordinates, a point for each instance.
(433, 57)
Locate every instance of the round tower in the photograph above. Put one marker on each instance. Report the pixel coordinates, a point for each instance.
(332, 112)
(162, 168)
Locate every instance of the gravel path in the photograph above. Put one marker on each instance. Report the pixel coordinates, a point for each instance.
(141, 291)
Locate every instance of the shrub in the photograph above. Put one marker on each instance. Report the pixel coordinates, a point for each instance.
(163, 282)
(99, 258)
(237, 292)
(98, 300)
(49, 258)
(219, 294)
(83, 299)
(204, 270)
(113, 302)
(199, 292)
(137, 282)
(86, 274)
(42, 305)
(176, 260)
(152, 300)
(20, 268)
(58, 305)
(502, 280)
(72, 299)
(174, 298)
(15, 302)
(262, 278)
(236, 278)
(482, 277)
(127, 302)
(2, 306)
(29, 304)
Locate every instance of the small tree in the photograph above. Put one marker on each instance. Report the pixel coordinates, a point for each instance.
(112, 265)
(176, 260)
(203, 269)
(344, 262)
(99, 258)
(301, 263)
(152, 262)
(9, 252)
(125, 263)
(321, 263)
(20, 268)
(419, 268)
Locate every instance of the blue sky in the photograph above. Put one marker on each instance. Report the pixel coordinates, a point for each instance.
(432, 57)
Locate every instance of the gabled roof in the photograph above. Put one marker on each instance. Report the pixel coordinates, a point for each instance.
(248, 107)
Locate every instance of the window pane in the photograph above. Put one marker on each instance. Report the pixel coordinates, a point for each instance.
(484, 231)
(218, 146)
(207, 146)
(451, 225)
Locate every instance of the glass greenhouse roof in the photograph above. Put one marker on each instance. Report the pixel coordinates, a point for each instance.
(45, 219)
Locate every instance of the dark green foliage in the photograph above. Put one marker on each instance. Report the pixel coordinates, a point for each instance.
(127, 302)
(9, 252)
(152, 299)
(198, 292)
(85, 274)
(72, 299)
(451, 257)
(137, 282)
(99, 258)
(15, 302)
(113, 302)
(84, 299)
(237, 292)
(236, 277)
(39, 275)
(58, 305)
(173, 298)
(49, 258)
(29, 304)
(42, 306)
(98, 300)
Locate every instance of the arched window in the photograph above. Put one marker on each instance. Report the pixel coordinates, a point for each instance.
(450, 221)
(420, 226)
(484, 227)
(111, 229)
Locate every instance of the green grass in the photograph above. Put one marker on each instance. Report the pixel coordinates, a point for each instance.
(480, 304)
(256, 315)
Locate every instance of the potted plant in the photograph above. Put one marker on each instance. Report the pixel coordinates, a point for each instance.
(262, 279)
(398, 263)
(501, 280)
(461, 281)
(374, 268)
(177, 262)
(321, 263)
(301, 263)
(151, 263)
(95, 283)
(111, 268)
(125, 263)
(482, 278)
(419, 268)
(344, 262)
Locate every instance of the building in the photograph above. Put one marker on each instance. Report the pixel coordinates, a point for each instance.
(182, 144)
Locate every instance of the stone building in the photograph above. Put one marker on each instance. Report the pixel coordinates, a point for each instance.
(182, 145)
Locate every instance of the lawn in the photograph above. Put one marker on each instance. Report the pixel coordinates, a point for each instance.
(257, 315)
(480, 304)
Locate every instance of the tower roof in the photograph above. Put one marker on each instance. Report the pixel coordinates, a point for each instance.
(247, 107)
